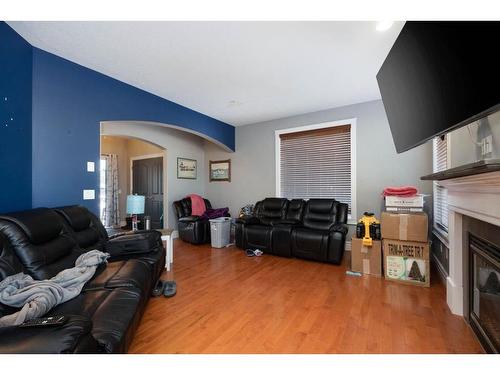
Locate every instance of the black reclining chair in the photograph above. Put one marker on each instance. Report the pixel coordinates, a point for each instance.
(321, 236)
(314, 230)
(192, 229)
(104, 317)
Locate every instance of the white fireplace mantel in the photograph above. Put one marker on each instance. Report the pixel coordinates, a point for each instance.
(477, 196)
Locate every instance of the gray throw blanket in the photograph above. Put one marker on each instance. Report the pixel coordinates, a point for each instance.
(37, 297)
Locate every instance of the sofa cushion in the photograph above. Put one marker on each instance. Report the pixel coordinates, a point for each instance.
(40, 225)
(126, 273)
(9, 263)
(310, 244)
(44, 260)
(319, 213)
(258, 237)
(114, 314)
(272, 209)
(80, 223)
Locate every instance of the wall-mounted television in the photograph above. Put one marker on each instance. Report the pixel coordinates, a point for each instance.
(439, 76)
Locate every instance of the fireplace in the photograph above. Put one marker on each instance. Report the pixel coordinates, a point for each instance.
(484, 291)
(474, 243)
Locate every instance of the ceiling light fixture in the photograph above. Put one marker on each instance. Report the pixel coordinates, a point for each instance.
(384, 25)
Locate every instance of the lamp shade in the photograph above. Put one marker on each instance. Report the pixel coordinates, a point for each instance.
(135, 204)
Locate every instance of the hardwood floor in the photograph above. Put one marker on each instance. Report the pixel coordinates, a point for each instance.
(229, 303)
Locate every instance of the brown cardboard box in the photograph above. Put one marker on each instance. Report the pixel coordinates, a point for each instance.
(404, 226)
(364, 259)
(406, 262)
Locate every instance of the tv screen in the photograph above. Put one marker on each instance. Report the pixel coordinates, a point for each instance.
(439, 76)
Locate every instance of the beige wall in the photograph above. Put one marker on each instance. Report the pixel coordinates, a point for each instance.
(126, 148)
(176, 143)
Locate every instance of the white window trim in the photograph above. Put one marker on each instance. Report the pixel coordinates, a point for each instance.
(277, 140)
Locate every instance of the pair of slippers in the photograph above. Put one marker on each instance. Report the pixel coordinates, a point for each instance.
(167, 288)
(254, 253)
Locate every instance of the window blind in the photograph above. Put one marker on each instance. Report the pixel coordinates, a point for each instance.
(316, 164)
(440, 163)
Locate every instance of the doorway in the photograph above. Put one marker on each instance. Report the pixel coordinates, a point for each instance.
(146, 178)
(131, 166)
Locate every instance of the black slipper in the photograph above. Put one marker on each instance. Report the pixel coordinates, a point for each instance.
(170, 289)
(158, 289)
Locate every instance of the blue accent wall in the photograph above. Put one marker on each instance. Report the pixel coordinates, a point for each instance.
(69, 102)
(15, 120)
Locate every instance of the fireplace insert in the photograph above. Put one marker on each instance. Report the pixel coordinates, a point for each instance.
(484, 292)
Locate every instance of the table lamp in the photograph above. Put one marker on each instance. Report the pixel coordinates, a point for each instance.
(135, 206)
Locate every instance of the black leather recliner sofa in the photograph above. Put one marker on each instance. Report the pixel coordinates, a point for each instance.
(103, 318)
(315, 229)
(193, 229)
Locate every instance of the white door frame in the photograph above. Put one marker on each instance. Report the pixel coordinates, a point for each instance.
(162, 155)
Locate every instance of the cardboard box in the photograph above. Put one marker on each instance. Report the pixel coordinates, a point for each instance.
(404, 226)
(366, 259)
(416, 202)
(406, 262)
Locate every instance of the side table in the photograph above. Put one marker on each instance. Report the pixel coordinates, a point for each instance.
(166, 237)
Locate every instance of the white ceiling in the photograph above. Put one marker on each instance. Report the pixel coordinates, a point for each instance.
(237, 72)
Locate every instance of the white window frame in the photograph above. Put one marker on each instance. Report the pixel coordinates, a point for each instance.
(435, 227)
(277, 140)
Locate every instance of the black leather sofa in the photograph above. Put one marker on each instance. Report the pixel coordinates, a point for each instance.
(193, 229)
(315, 229)
(103, 318)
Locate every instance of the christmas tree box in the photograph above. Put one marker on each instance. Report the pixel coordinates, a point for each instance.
(406, 262)
(366, 259)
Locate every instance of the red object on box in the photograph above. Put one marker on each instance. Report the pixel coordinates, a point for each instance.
(401, 191)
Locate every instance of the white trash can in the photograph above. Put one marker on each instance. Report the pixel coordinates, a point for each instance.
(220, 231)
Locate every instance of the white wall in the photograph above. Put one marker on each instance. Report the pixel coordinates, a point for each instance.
(378, 164)
(177, 144)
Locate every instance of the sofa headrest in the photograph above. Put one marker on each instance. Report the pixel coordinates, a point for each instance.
(78, 217)
(9, 264)
(274, 204)
(40, 224)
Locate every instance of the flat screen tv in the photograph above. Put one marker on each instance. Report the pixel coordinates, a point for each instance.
(439, 76)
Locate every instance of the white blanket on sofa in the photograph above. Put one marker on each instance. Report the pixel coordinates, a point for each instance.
(37, 297)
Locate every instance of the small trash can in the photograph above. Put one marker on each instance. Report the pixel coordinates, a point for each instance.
(220, 231)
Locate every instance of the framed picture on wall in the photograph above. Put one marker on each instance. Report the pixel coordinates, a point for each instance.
(220, 170)
(186, 168)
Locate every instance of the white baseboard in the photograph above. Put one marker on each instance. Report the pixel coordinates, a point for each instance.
(175, 234)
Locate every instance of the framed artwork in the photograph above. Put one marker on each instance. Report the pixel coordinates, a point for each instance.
(220, 170)
(186, 168)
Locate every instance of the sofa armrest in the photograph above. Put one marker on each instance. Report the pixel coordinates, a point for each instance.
(133, 243)
(248, 219)
(74, 336)
(342, 228)
(116, 235)
(189, 219)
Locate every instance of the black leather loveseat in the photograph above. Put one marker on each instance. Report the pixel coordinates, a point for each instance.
(315, 229)
(103, 318)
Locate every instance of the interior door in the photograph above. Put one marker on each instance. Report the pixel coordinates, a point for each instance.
(147, 180)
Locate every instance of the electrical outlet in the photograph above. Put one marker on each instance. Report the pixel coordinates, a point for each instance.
(88, 194)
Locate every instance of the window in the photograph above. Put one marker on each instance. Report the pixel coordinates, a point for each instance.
(440, 163)
(317, 162)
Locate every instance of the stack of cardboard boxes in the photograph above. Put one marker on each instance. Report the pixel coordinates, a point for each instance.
(406, 247)
(403, 254)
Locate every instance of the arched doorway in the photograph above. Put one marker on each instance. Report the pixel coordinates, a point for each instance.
(132, 166)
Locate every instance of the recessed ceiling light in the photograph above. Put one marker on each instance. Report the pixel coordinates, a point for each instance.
(384, 25)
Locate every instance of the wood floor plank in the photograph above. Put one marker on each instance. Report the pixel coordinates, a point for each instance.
(229, 303)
